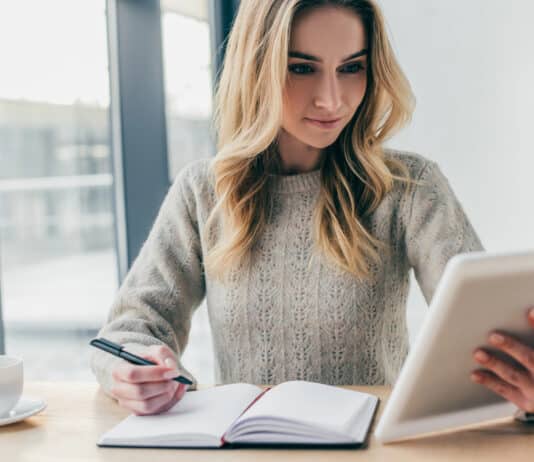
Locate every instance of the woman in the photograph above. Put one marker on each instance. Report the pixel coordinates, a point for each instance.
(302, 230)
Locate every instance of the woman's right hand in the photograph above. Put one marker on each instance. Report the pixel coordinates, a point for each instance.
(146, 390)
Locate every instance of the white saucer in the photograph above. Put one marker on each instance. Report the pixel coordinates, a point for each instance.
(26, 407)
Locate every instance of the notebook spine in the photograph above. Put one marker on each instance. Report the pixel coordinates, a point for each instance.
(223, 440)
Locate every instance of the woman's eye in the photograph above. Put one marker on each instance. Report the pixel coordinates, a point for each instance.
(354, 68)
(300, 68)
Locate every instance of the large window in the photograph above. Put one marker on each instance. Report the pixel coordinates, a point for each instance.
(188, 99)
(56, 231)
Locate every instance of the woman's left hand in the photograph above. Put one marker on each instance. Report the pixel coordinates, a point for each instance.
(511, 382)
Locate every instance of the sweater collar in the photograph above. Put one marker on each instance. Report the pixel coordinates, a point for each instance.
(301, 182)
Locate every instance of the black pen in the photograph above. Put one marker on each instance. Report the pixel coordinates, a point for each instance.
(118, 350)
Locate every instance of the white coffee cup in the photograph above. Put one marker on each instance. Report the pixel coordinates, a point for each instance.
(11, 383)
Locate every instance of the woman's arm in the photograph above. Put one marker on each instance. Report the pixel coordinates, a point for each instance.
(437, 228)
(164, 286)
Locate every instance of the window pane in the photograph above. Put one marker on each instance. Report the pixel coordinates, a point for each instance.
(188, 81)
(57, 224)
(188, 96)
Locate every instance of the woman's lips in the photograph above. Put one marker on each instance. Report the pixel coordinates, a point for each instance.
(330, 124)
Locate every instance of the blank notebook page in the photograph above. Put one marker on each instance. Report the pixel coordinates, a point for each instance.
(318, 405)
(208, 412)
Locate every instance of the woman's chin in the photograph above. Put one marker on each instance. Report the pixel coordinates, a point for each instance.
(321, 144)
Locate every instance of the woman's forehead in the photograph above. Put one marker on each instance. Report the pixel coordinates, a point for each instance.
(328, 33)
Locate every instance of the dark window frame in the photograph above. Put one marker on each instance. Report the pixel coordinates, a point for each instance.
(140, 162)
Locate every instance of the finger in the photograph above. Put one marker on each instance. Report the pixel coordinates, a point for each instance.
(178, 395)
(148, 406)
(126, 372)
(180, 391)
(517, 350)
(161, 354)
(531, 316)
(499, 386)
(142, 391)
(505, 371)
(167, 361)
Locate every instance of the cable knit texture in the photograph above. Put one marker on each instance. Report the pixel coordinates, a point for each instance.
(277, 320)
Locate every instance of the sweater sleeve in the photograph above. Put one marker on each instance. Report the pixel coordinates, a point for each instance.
(437, 228)
(164, 286)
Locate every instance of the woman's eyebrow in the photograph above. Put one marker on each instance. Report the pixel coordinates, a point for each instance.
(299, 54)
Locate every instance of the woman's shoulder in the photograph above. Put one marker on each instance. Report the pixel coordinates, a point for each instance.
(195, 177)
(194, 185)
(415, 163)
(426, 182)
(195, 171)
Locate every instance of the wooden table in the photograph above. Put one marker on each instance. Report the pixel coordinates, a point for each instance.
(78, 413)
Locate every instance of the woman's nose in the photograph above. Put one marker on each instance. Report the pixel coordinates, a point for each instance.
(327, 95)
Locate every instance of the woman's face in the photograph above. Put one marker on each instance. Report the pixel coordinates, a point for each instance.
(327, 84)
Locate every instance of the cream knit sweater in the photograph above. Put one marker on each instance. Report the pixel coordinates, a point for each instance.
(275, 320)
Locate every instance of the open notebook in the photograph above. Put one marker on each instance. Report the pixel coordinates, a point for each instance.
(291, 413)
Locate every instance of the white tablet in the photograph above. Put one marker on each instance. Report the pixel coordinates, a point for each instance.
(478, 293)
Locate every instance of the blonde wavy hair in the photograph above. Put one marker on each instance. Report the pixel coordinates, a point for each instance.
(355, 174)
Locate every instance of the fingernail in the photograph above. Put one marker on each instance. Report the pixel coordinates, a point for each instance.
(170, 363)
(171, 374)
(496, 339)
(481, 356)
(476, 378)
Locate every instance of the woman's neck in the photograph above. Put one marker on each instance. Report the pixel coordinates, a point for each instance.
(297, 157)
(294, 166)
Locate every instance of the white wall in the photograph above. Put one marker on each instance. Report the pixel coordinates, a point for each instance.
(470, 65)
